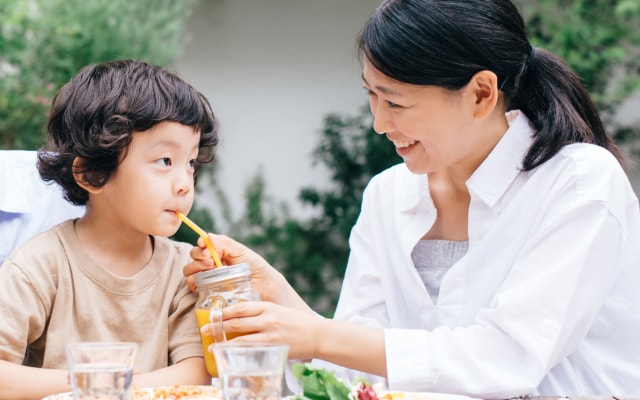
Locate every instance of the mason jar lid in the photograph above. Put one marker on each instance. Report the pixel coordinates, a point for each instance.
(222, 274)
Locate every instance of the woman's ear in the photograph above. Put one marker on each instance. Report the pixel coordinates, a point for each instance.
(483, 87)
(79, 173)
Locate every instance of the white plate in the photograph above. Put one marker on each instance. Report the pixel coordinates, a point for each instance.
(161, 393)
(421, 396)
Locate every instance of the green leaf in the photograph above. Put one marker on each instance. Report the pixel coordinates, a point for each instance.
(45, 42)
(320, 384)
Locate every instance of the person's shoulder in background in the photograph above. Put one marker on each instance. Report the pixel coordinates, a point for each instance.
(28, 205)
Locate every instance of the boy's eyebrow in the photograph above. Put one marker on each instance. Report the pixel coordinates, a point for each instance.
(383, 89)
(173, 143)
(166, 143)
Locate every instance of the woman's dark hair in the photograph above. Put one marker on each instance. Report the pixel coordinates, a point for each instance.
(94, 116)
(445, 42)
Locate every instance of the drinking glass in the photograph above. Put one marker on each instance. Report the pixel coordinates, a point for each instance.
(101, 370)
(219, 288)
(251, 371)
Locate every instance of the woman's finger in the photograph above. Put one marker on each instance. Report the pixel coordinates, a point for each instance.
(239, 318)
(243, 310)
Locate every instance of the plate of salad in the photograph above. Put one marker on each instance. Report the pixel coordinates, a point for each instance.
(320, 384)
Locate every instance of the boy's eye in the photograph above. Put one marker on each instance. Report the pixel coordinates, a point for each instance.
(166, 161)
(192, 163)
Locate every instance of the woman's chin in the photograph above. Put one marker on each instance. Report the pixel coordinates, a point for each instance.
(416, 168)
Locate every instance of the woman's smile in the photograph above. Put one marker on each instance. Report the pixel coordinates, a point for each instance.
(403, 147)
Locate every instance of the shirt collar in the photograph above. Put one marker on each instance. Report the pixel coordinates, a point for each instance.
(501, 167)
(413, 189)
(491, 179)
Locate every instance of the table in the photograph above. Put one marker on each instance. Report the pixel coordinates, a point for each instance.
(579, 397)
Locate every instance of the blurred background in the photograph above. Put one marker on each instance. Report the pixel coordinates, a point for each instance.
(283, 79)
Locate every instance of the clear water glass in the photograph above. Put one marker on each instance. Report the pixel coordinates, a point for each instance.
(101, 370)
(251, 371)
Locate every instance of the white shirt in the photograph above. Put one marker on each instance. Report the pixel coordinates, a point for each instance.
(28, 205)
(546, 300)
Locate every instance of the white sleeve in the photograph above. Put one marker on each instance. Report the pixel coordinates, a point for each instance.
(361, 297)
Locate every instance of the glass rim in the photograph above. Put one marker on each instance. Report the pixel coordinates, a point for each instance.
(250, 345)
(221, 274)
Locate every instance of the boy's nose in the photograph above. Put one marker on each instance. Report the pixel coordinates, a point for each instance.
(183, 182)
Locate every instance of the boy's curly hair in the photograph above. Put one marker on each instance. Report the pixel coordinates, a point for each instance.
(94, 116)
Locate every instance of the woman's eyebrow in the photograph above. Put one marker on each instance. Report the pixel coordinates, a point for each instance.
(384, 89)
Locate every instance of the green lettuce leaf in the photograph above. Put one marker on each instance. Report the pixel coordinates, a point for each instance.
(319, 384)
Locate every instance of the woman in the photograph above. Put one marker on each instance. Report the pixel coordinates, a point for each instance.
(499, 258)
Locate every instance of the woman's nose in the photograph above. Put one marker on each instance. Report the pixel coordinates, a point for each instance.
(381, 119)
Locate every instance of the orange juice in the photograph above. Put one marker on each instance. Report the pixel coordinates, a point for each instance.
(202, 316)
(218, 288)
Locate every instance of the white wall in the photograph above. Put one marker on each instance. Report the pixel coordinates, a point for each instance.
(272, 69)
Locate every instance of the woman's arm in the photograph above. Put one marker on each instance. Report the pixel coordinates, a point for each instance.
(309, 336)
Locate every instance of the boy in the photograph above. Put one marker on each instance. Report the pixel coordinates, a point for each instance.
(125, 139)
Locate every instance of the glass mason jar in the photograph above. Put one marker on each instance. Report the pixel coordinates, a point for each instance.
(218, 288)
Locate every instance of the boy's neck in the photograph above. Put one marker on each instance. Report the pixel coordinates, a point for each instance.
(122, 252)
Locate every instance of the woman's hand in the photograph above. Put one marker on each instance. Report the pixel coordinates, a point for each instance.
(261, 321)
(268, 282)
(308, 335)
(230, 253)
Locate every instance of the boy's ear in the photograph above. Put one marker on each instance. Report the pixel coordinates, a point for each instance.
(78, 175)
(484, 89)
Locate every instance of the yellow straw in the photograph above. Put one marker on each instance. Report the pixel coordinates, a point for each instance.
(203, 235)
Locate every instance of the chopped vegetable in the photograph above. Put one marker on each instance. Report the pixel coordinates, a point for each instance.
(366, 392)
(320, 384)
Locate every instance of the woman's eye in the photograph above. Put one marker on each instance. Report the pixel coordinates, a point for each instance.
(192, 163)
(165, 161)
(392, 104)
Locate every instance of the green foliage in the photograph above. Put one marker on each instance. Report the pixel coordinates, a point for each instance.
(600, 40)
(312, 253)
(43, 43)
(353, 152)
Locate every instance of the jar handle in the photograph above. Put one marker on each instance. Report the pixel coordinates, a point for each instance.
(215, 317)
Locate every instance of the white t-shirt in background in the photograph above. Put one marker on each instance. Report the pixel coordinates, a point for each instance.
(28, 205)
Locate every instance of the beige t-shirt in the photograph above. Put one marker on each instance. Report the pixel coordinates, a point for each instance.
(52, 293)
